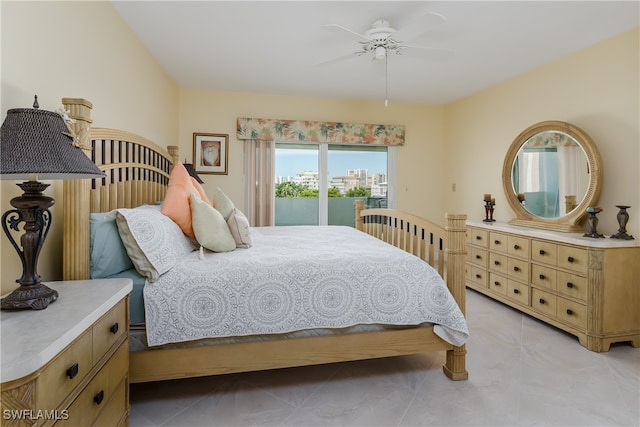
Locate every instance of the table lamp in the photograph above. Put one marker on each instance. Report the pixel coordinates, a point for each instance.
(36, 144)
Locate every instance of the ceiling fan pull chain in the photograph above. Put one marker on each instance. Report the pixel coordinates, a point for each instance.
(386, 82)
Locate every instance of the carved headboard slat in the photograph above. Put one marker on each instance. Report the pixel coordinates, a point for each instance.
(137, 173)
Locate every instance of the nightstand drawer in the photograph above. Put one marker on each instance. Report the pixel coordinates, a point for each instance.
(84, 410)
(572, 312)
(64, 373)
(109, 329)
(544, 302)
(572, 285)
(114, 412)
(573, 259)
(543, 276)
(544, 252)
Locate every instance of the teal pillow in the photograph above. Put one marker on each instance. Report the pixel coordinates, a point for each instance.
(108, 254)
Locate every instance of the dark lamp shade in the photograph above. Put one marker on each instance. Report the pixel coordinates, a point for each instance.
(33, 141)
(192, 172)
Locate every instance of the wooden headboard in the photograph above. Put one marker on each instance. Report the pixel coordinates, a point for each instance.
(137, 172)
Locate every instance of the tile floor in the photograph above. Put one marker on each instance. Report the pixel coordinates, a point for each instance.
(521, 373)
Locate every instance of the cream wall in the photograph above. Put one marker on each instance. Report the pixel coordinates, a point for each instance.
(596, 89)
(81, 50)
(420, 159)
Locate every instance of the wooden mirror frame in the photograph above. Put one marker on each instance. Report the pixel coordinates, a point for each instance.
(570, 221)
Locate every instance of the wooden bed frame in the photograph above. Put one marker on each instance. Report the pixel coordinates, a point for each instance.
(138, 172)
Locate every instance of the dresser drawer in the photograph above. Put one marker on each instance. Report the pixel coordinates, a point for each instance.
(109, 329)
(572, 312)
(544, 252)
(519, 246)
(543, 302)
(478, 275)
(543, 276)
(84, 410)
(572, 285)
(479, 237)
(574, 259)
(64, 373)
(498, 283)
(518, 292)
(499, 242)
(518, 269)
(498, 262)
(477, 256)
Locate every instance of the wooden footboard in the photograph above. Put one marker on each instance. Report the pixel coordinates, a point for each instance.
(137, 173)
(443, 248)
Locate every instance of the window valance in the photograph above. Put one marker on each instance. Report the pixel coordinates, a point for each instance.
(319, 132)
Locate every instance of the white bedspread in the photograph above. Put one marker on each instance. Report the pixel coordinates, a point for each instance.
(295, 278)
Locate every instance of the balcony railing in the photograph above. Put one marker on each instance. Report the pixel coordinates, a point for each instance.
(304, 210)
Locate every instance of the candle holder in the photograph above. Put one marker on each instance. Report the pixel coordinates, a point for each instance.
(623, 218)
(488, 211)
(592, 223)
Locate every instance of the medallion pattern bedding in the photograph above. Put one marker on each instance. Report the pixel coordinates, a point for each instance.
(297, 278)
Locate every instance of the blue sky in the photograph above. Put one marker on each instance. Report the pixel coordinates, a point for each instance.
(290, 162)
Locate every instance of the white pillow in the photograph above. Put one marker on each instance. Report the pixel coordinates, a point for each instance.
(223, 204)
(210, 228)
(152, 240)
(240, 230)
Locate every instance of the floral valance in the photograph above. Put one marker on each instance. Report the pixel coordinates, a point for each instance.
(319, 132)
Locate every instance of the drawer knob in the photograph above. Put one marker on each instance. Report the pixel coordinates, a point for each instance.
(516, 247)
(569, 311)
(478, 238)
(497, 242)
(72, 371)
(478, 276)
(478, 257)
(570, 259)
(114, 328)
(516, 291)
(99, 397)
(542, 277)
(496, 283)
(496, 262)
(516, 268)
(542, 301)
(542, 252)
(569, 285)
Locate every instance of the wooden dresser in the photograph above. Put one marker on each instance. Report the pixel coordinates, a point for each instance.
(587, 287)
(68, 364)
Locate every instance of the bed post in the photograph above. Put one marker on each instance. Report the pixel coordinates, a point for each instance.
(359, 220)
(174, 152)
(455, 367)
(76, 204)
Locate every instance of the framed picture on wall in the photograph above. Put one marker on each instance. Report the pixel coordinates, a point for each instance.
(211, 153)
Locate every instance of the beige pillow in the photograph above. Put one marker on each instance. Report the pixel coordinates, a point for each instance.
(240, 230)
(209, 227)
(223, 204)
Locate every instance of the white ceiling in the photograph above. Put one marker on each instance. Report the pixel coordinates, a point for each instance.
(271, 47)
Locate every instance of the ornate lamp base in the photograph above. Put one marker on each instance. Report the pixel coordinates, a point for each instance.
(35, 297)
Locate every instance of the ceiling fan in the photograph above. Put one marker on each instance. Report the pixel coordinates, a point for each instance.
(382, 40)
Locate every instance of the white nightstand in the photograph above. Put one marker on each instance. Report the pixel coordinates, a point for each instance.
(68, 364)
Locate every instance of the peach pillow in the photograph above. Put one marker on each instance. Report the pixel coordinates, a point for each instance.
(176, 204)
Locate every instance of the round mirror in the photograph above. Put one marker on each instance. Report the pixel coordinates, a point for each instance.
(551, 174)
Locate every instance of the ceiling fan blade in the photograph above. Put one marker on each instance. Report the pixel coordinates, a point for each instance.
(332, 27)
(419, 26)
(337, 59)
